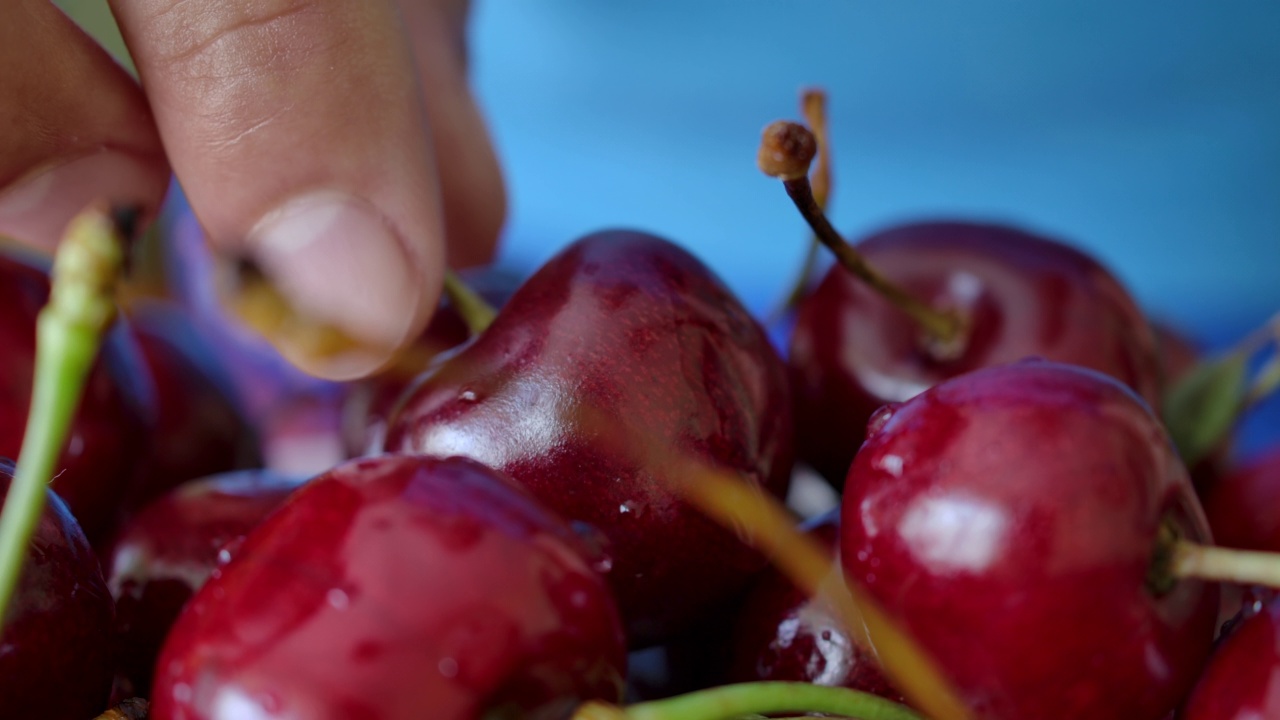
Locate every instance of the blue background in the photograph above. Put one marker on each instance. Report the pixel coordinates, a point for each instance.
(1147, 133)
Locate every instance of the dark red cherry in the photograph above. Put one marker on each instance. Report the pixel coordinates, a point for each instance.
(1008, 519)
(1242, 679)
(620, 335)
(55, 643)
(166, 551)
(1023, 296)
(1242, 505)
(397, 588)
(108, 436)
(782, 633)
(1178, 353)
(370, 401)
(199, 430)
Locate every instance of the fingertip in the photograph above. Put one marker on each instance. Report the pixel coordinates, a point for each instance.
(333, 285)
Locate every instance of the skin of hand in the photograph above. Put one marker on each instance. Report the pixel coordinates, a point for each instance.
(332, 146)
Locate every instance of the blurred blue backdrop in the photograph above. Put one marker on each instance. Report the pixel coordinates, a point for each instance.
(1147, 133)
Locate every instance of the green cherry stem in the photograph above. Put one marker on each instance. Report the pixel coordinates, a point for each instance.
(786, 150)
(68, 332)
(476, 312)
(761, 698)
(1175, 558)
(766, 698)
(1220, 564)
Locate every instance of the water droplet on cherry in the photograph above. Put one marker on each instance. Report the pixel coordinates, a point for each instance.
(881, 417)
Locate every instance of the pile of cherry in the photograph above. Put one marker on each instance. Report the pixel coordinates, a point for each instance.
(511, 530)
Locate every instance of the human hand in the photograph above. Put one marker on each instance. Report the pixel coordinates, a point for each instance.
(334, 144)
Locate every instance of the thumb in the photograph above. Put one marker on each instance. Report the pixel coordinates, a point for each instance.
(301, 138)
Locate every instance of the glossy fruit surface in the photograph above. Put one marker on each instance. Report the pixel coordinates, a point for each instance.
(621, 335)
(108, 435)
(1242, 680)
(166, 552)
(370, 401)
(1023, 295)
(199, 430)
(781, 633)
(397, 588)
(55, 643)
(1008, 518)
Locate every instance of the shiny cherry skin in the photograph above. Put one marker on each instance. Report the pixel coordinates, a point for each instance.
(1242, 679)
(782, 633)
(199, 429)
(109, 433)
(167, 551)
(1008, 518)
(398, 588)
(627, 332)
(370, 401)
(55, 643)
(1024, 296)
(1241, 505)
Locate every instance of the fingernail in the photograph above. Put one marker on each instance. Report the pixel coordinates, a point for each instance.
(337, 263)
(37, 208)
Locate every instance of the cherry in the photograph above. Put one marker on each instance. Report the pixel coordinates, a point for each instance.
(398, 587)
(783, 633)
(619, 335)
(167, 551)
(199, 430)
(1241, 505)
(108, 434)
(1178, 353)
(55, 643)
(1012, 520)
(370, 401)
(1242, 679)
(1024, 295)
(933, 300)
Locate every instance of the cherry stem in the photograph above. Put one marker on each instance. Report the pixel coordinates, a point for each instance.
(69, 330)
(763, 522)
(813, 104)
(1219, 564)
(251, 296)
(767, 525)
(786, 150)
(476, 312)
(762, 698)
